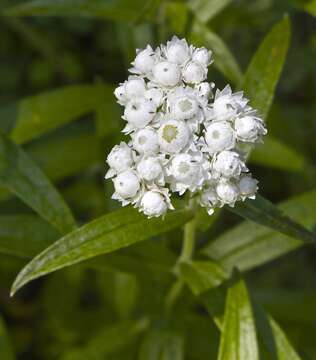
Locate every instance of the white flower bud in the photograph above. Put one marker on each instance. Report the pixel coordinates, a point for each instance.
(194, 73)
(204, 89)
(155, 95)
(134, 87)
(145, 141)
(167, 73)
(228, 164)
(120, 158)
(249, 128)
(224, 108)
(177, 51)
(153, 204)
(248, 186)
(140, 112)
(145, 60)
(149, 168)
(227, 192)
(203, 56)
(173, 136)
(120, 94)
(126, 184)
(184, 108)
(209, 199)
(219, 136)
(183, 168)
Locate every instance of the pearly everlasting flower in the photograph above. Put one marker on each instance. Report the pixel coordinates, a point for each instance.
(219, 136)
(228, 164)
(173, 136)
(249, 128)
(183, 139)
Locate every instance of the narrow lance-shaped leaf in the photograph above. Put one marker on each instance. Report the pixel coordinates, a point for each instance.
(36, 115)
(104, 235)
(20, 175)
(6, 350)
(263, 73)
(205, 10)
(238, 337)
(263, 212)
(224, 60)
(254, 244)
(125, 10)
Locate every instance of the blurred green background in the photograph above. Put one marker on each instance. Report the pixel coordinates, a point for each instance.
(55, 317)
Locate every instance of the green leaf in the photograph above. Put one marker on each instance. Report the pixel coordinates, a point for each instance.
(205, 10)
(272, 337)
(162, 345)
(273, 153)
(263, 212)
(6, 350)
(20, 175)
(224, 60)
(124, 10)
(310, 7)
(39, 114)
(238, 338)
(104, 235)
(107, 341)
(24, 236)
(202, 275)
(265, 68)
(249, 245)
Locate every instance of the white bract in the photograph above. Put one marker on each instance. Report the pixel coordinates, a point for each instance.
(183, 138)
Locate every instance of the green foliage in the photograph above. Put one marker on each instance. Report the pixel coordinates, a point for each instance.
(178, 295)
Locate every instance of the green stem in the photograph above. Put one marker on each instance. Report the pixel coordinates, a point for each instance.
(188, 241)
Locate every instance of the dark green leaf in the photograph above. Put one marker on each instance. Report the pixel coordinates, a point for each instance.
(223, 58)
(205, 10)
(107, 341)
(275, 154)
(20, 175)
(202, 275)
(263, 73)
(25, 236)
(238, 338)
(125, 10)
(6, 350)
(249, 244)
(36, 115)
(263, 212)
(104, 235)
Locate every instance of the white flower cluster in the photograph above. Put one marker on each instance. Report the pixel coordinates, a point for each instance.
(183, 138)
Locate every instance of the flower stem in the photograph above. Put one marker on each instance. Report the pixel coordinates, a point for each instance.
(188, 241)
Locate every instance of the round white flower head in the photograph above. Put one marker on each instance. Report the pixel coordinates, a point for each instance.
(228, 164)
(248, 187)
(153, 204)
(203, 56)
(144, 61)
(249, 128)
(177, 51)
(126, 184)
(219, 136)
(155, 95)
(150, 169)
(134, 87)
(227, 192)
(119, 159)
(194, 72)
(173, 136)
(208, 198)
(145, 141)
(139, 112)
(183, 138)
(166, 74)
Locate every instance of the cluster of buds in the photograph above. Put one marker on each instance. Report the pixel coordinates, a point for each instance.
(183, 137)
